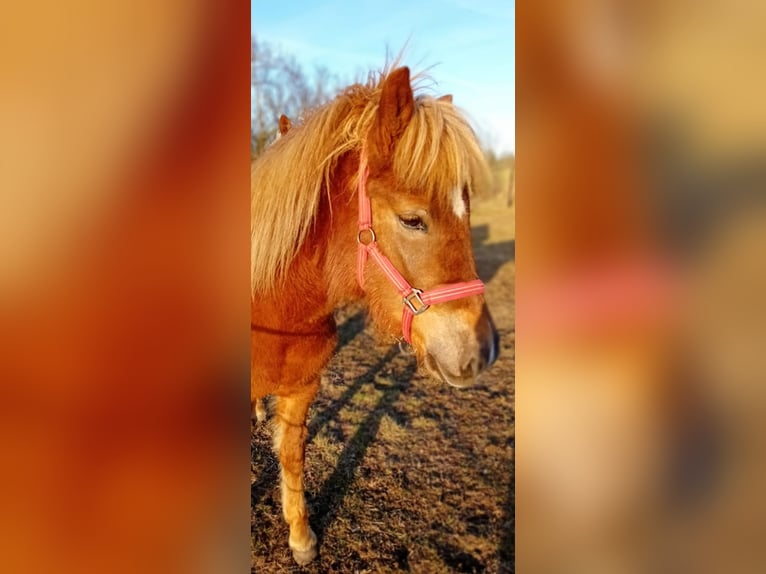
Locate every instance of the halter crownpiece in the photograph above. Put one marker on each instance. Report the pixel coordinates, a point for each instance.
(414, 301)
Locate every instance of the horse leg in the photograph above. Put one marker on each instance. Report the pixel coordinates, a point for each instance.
(290, 442)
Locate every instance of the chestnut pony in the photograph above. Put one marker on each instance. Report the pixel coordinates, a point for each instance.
(368, 199)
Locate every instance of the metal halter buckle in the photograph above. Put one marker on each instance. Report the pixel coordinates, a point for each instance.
(415, 295)
(373, 239)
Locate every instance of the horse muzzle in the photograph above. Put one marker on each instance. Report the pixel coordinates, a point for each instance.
(457, 355)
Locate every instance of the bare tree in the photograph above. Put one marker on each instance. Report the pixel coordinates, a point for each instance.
(279, 85)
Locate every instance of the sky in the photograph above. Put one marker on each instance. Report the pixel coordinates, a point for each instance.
(468, 45)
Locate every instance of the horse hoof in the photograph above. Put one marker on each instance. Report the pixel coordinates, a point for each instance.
(306, 555)
(303, 557)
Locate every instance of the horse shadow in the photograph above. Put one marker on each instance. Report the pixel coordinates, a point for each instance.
(349, 328)
(329, 500)
(266, 479)
(507, 547)
(490, 257)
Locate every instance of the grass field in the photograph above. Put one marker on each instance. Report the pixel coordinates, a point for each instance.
(404, 473)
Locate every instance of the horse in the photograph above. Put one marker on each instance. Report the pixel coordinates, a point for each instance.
(382, 153)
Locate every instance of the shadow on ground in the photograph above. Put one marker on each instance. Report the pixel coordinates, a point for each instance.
(490, 257)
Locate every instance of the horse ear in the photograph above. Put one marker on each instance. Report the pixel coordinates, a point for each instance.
(397, 104)
(284, 124)
(445, 98)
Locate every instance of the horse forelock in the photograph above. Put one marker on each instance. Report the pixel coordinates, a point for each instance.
(439, 153)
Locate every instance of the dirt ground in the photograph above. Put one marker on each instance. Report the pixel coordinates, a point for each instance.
(404, 473)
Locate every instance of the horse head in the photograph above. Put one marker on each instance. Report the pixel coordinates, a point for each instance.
(422, 163)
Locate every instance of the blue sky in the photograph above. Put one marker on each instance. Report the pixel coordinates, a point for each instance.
(471, 45)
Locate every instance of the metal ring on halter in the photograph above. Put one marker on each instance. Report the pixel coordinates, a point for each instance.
(373, 239)
(415, 295)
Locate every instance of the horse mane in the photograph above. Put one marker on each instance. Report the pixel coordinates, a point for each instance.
(437, 152)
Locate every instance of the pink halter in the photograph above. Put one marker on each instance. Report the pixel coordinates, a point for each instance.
(414, 300)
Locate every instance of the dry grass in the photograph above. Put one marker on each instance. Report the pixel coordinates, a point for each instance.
(403, 473)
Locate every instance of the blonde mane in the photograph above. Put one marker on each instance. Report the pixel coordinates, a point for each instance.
(437, 152)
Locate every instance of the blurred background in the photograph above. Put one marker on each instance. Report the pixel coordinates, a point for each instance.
(124, 293)
(640, 328)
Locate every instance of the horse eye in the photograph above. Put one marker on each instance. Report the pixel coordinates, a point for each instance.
(412, 222)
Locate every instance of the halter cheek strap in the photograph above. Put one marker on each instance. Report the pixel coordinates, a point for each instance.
(414, 301)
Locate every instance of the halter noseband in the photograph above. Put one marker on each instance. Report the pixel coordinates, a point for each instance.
(415, 301)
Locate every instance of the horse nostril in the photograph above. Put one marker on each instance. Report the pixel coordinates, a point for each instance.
(489, 340)
(489, 350)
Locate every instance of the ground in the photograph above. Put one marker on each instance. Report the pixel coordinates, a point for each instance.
(404, 473)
